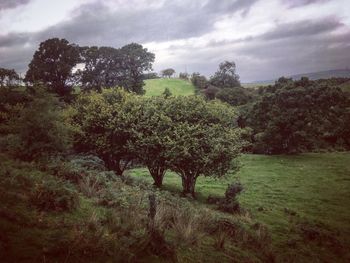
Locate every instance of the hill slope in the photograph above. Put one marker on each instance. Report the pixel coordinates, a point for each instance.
(155, 87)
(335, 73)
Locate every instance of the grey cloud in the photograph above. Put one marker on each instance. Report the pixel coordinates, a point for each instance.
(261, 59)
(97, 24)
(291, 48)
(302, 28)
(14, 39)
(300, 3)
(7, 4)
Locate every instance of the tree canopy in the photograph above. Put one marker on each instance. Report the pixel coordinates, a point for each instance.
(8, 77)
(226, 76)
(167, 72)
(299, 116)
(52, 65)
(106, 67)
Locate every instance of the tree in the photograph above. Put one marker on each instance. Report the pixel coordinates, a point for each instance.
(37, 128)
(234, 97)
(183, 75)
(167, 72)
(167, 93)
(107, 67)
(8, 77)
(152, 133)
(226, 76)
(297, 118)
(199, 81)
(210, 92)
(203, 141)
(105, 121)
(52, 65)
(101, 68)
(135, 60)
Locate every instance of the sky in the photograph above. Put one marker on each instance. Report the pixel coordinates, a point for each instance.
(265, 38)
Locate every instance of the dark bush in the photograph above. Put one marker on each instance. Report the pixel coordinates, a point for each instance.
(52, 195)
(232, 190)
(229, 203)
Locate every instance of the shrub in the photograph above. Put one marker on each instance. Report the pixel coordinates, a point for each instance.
(53, 195)
(229, 203)
(38, 129)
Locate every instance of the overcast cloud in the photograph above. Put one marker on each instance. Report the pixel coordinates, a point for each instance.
(266, 38)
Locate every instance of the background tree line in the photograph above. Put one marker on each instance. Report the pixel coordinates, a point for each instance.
(96, 67)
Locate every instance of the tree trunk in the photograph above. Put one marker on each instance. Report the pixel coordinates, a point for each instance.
(188, 184)
(157, 174)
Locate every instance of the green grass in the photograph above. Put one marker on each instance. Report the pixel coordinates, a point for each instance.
(314, 186)
(155, 87)
(345, 86)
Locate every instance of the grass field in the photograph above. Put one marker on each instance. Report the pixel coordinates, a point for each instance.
(155, 87)
(345, 86)
(282, 191)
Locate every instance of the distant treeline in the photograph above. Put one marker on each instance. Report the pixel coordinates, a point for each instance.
(289, 116)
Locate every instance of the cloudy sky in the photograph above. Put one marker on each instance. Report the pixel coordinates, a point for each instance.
(266, 38)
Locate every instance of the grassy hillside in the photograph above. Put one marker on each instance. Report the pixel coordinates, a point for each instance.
(304, 200)
(155, 87)
(73, 211)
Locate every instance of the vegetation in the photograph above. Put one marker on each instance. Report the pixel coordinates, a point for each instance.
(168, 72)
(155, 87)
(75, 167)
(52, 65)
(107, 67)
(299, 116)
(8, 78)
(301, 199)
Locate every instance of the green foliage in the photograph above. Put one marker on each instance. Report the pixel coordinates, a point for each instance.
(153, 130)
(53, 195)
(234, 97)
(199, 81)
(204, 140)
(36, 128)
(52, 65)
(167, 93)
(184, 75)
(168, 72)
(107, 67)
(105, 122)
(210, 92)
(300, 116)
(8, 78)
(226, 76)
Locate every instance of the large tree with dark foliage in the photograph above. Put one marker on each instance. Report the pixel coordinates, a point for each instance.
(226, 76)
(299, 116)
(52, 65)
(168, 72)
(234, 97)
(107, 67)
(199, 81)
(32, 124)
(8, 77)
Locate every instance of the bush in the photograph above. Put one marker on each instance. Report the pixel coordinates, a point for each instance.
(52, 195)
(37, 129)
(229, 203)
